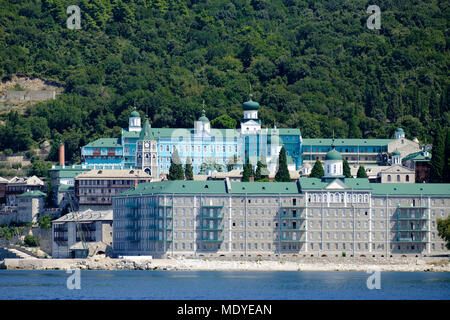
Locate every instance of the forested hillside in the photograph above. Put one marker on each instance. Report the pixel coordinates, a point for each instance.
(311, 64)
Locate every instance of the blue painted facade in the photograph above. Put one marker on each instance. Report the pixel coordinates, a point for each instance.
(205, 146)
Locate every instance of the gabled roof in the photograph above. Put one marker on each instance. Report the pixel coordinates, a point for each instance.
(347, 142)
(411, 189)
(105, 143)
(29, 181)
(319, 184)
(264, 188)
(32, 194)
(87, 215)
(417, 156)
(146, 131)
(112, 174)
(177, 187)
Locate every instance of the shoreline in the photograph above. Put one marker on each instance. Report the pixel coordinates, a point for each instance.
(355, 265)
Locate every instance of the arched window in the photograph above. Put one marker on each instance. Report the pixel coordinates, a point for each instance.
(407, 178)
(389, 177)
(398, 177)
(359, 198)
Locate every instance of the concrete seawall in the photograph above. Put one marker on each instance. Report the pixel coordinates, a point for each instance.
(413, 265)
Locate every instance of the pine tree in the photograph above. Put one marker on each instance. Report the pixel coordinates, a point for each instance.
(261, 172)
(188, 171)
(437, 162)
(258, 171)
(248, 171)
(176, 168)
(447, 158)
(317, 170)
(361, 172)
(346, 169)
(282, 174)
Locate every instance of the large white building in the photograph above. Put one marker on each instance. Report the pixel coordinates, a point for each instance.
(312, 216)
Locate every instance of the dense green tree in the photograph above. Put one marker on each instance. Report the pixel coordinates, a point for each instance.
(317, 171)
(223, 122)
(45, 222)
(443, 226)
(346, 169)
(437, 162)
(447, 157)
(188, 170)
(361, 172)
(166, 56)
(248, 172)
(282, 174)
(39, 168)
(176, 167)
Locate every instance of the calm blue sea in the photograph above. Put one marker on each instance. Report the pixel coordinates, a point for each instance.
(193, 285)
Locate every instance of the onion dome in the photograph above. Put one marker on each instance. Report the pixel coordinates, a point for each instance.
(250, 105)
(135, 114)
(333, 155)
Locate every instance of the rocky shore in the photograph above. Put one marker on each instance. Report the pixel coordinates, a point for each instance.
(302, 264)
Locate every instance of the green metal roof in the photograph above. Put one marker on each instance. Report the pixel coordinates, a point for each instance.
(175, 132)
(399, 129)
(32, 194)
(318, 184)
(264, 188)
(146, 131)
(65, 187)
(411, 189)
(250, 105)
(71, 173)
(417, 156)
(177, 187)
(203, 118)
(333, 155)
(135, 114)
(304, 184)
(347, 142)
(396, 153)
(285, 131)
(105, 143)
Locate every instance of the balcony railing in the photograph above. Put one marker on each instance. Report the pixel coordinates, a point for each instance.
(133, 228)
(204, 205)
(287, 239)
(292, 216)
(413, 217)
(407, 229)
(133, 216)
(216, 239)
(219, 216)
(214, 228)
(410, 240)
(292, 228)
(133, 238)
(132, 205)
(412, 207)
(161, 205)
(291, 205)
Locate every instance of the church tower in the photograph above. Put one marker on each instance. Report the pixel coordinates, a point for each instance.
(250, 123)
(202, 124)
(333, 164)
(134, 122)
(147, 151)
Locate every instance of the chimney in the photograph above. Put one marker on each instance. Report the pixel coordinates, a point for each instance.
(61, 154)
